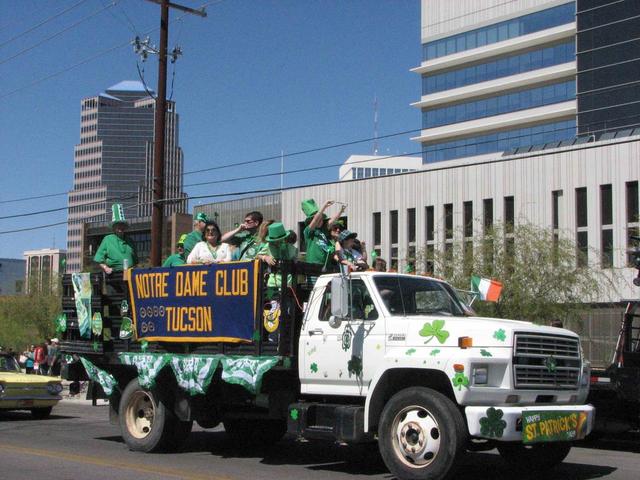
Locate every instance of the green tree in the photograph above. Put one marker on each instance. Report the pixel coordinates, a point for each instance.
(541, 281)
(26, 319)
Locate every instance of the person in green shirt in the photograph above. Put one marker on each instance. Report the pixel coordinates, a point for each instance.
(318, 239)
(116, 250)
(196, 236)
(245, 237)
(274, 249)
(178, 258)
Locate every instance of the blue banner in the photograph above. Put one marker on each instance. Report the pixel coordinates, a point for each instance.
(195, 303)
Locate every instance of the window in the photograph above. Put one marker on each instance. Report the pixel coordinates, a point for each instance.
(430, 239)
(509, 221)
(582, 236)
(496, 142)
(487, 230)
(632, 215)
(393, 239)
(448, 239)
(406, 296)
(556, 197)
(498, 32)
(377, 229)
(467, 213)
(505, 103)
(606, 225)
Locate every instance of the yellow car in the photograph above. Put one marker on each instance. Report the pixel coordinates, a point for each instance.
(19, 391)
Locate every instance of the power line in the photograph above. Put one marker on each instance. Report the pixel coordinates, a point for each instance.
(44, 22)
(319, 184)
(57, 34)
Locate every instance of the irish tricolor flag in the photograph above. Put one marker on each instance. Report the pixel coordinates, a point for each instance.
(489, 290)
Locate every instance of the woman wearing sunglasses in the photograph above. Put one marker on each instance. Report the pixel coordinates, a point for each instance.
(210, 250)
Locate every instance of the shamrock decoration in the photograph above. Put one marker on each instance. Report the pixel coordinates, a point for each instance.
(294, 414)
(434, 352)
(61, 323)
(96, 324)
(493, 425)
(346, 339)
(124, 307)
(411, 351)
(485, 353)
(459, 378)
(95, 345)
(126, 328)
(500, 335)
(314, 367)
(435, 330)
(354, 366)
(144, 345)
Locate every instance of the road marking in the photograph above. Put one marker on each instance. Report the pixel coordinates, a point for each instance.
(87, 459)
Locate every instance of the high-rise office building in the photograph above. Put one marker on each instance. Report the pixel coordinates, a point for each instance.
(114, 161)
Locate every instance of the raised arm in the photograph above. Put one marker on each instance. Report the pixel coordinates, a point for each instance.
(317, 219)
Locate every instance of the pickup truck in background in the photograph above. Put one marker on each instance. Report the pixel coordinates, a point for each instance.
(397, 359)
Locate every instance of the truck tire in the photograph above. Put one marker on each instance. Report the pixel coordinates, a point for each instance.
(146, 424)
(537, 457)
(421, 434)
(255, 432)
(41, 413)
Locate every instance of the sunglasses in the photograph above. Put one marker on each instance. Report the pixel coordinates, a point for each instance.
(211, 230)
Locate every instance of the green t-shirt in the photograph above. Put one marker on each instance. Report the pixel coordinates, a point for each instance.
(249, 246)
(319, 246)
(174, 260)
(279, 251)
(190, 242)
(113, 250)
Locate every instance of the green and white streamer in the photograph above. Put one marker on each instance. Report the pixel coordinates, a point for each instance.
(246, 371)
(82, 290)
(104, 378)
(194, 373)
(147, 364)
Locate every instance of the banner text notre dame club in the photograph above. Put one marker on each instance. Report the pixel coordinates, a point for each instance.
(216, 303)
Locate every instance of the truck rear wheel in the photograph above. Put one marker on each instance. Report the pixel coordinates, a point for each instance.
(421, 434)
(538, 457)
(146, 424)
(255, 432)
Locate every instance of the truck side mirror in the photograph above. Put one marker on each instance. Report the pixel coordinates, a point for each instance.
(339, 298)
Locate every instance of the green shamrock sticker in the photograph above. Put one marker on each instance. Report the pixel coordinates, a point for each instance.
(434, 352)
(294, 414)
(95, 345)
(144, 345)
(354, 366)
(61, 323)
(485, 353)
(126, 328)
(434, 330)
(314, 367)
(411, 351)
(500, 335)
(493, 425)
(460, 380)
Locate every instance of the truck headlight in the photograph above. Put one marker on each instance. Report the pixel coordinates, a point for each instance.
(54, 388)
(480, 375)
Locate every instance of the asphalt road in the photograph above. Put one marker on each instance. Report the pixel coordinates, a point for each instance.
(78, 442)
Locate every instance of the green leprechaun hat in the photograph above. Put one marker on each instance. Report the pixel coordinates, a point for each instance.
(117, 214)
(201, 217)
(276, 232)
(310, 208)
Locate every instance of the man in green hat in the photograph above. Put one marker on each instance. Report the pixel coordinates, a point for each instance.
(320, 247)
(116, 251)
(274, 249)
(196, 236)
(245, 237)
(178, 258)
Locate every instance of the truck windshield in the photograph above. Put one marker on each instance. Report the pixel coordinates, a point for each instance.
(406, 296)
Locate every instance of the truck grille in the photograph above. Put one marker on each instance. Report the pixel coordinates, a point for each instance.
(546, 362)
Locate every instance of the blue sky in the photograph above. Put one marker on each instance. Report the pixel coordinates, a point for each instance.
(256, 78)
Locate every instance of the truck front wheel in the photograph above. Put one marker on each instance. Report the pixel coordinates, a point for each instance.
(421, 434)
(146, 424)
(539, 456)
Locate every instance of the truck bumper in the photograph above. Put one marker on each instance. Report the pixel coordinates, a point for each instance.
(505, 424)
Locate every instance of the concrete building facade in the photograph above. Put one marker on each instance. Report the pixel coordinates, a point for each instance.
(113, 163)
(43, 268)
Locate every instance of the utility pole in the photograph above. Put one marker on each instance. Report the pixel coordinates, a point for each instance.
(159, 131)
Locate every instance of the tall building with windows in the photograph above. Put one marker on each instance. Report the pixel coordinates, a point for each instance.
(113, 163)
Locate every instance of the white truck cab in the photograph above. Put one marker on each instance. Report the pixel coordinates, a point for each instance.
(383, 335)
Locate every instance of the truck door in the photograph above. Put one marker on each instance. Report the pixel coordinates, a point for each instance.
(342, 360)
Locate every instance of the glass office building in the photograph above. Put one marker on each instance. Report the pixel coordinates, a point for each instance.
(498, 78)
